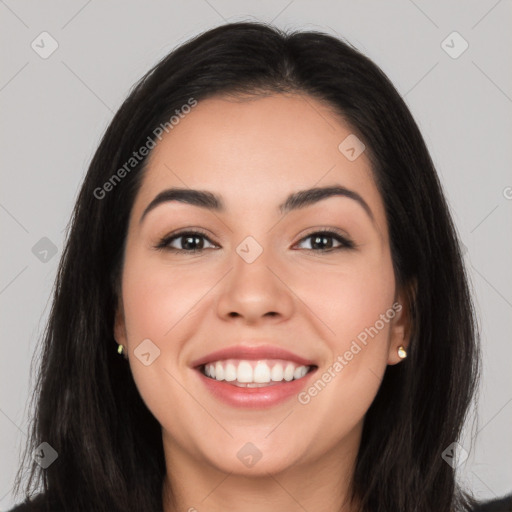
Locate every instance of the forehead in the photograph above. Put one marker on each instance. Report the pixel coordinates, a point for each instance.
(254, 151)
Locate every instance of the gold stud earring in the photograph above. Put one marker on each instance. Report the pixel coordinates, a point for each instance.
(402, 353)
(120, 350)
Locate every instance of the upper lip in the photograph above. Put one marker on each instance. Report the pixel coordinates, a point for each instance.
(248, 352)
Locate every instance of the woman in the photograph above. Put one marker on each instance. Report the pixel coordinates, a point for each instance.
(262, 303)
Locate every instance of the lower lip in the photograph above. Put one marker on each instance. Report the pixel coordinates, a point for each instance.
(255, 398)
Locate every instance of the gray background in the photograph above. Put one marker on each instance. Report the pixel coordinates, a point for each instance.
(54, 111)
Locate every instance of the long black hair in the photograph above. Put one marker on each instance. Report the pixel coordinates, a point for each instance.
(87, 407)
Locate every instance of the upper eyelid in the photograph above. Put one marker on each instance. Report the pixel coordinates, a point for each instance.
(337, 234)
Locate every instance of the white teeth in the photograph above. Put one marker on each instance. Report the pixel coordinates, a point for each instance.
(299, 372)
(254, 373)
(261, 373)
(288, 373)
(245, 372)
(230, 373)
(219, 371)
(210, 370)
(277, 373)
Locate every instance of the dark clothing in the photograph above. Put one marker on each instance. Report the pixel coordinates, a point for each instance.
(39, 505)
(501, 505)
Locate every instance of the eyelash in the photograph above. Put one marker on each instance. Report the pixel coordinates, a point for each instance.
(163, 244)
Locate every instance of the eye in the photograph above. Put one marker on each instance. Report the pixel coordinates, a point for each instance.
(322, 241)
(193, 242)
(188, 241)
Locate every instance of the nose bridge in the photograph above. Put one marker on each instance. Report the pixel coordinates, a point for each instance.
(252, 289)
(251, 264)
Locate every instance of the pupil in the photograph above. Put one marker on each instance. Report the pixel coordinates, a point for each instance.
(188, 239)
(321, 240)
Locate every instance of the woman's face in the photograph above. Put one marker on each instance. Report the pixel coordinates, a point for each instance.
(260, 275)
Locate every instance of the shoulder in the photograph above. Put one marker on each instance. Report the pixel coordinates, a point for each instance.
(38, 503)
(498, 505)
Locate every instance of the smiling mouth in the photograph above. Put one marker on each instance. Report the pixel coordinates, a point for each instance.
(255, 373)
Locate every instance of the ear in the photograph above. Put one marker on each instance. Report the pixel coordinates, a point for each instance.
(119, 324)
(401, 323)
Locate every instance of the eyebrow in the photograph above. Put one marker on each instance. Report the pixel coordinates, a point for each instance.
(295, 201)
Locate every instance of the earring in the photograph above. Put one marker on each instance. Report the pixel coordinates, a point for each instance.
(402, 353)
(120, 350)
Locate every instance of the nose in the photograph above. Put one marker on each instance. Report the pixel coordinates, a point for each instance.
(256, 292)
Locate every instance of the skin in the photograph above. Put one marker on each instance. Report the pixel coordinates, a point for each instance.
(255, 152)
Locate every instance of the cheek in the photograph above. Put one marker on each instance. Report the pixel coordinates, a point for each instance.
(158, 303)
(355, 306)
(350, 298)
(164, 304)
(156, 297)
